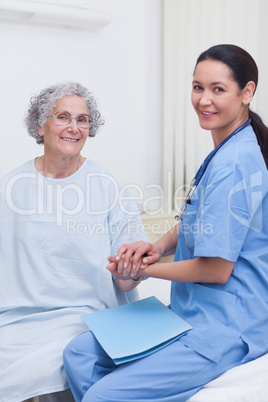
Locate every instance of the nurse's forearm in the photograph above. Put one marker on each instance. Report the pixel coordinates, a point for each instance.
(200, 269)
(168, 243)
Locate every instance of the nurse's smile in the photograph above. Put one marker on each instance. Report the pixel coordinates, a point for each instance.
(207, 115)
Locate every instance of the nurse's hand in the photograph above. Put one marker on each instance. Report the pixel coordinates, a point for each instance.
(133, 257)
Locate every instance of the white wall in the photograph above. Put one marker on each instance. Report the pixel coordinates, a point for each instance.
(190, 27)
(121, 65)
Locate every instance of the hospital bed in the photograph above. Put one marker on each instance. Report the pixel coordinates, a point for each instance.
(246, 383)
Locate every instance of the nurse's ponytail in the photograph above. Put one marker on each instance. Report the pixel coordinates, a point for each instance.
(261, 131)
(244, 69)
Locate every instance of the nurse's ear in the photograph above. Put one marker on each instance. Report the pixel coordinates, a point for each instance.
(248, 92)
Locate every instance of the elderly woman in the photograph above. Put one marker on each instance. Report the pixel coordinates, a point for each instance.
(61, 216)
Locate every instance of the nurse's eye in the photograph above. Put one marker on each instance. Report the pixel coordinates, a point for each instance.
(197, 88)
(219, 89)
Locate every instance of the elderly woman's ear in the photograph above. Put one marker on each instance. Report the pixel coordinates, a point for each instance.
(41, 131)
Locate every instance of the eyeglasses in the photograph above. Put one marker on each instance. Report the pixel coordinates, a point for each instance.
(64, 119)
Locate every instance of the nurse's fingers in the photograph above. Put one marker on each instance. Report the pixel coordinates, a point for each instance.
(147, 254)
(127, 251)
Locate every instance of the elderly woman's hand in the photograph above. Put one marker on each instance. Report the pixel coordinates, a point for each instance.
(116, 268)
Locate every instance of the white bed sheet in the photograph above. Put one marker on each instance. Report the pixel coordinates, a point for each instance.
(246, 383)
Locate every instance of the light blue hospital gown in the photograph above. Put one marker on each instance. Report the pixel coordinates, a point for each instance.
(55, 236)
(227, 218)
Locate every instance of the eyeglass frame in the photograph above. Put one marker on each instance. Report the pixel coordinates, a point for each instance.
(70, 119)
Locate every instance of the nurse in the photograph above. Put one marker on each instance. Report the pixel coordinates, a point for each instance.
(220, 276)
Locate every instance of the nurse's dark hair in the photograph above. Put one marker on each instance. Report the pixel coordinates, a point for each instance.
(244, 69)
(43, 102)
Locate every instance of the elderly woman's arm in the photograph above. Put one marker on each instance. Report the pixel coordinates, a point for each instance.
(127, 285)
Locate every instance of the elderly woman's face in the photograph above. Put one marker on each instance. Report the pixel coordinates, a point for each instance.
(65, 141)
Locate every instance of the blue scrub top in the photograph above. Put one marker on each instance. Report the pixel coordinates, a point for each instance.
(227, 218)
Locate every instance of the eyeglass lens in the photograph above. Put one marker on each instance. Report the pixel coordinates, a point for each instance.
(63, 119)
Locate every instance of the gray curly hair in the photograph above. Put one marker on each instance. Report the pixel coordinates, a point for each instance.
(42, 103)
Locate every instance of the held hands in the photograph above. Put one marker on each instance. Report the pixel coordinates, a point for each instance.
(132, 259)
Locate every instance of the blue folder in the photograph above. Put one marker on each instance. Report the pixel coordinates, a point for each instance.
(136, 329)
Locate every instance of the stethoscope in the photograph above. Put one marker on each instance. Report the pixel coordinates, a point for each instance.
(194, 183)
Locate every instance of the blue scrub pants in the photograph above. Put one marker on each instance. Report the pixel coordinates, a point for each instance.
(172, 374)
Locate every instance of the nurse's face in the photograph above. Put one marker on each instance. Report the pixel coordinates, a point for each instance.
(217, 99)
